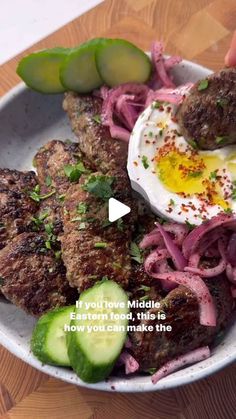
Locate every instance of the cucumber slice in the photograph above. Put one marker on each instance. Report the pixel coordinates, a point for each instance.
(119, 61)
(48, 341)
(40, 70)
(79, 72)
(93, 354)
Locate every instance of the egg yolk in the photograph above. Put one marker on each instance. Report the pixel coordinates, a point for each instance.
(191, 175)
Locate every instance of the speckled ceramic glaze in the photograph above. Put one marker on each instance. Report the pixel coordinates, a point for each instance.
(27, 121)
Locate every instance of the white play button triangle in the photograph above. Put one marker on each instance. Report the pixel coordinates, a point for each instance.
(116, 210)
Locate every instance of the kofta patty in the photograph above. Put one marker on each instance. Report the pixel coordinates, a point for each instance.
(207, 115)
(16, 205)
(181, 308)
(32, 277)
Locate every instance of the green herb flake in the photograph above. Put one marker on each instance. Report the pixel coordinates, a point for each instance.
(151, 371)
(193, 144)
(222, 102)
(120, 224)
(172, 202)
(116, 265)
(145, 162)
(100, 186)
(136, 253)
(190, 225)
(156, 104)
(35, 194)
(57, 254)
(82, 208)
(197, 173)
(213, 175)
(82, 226)
(100, 245)
(74, 171)
(73, 220)
(144, 288)
(150, 134)
(161, 132)
(61, 197)
(221, 140)
(144, 298)
(203, 85)
(97, 118)
(228, 210)
(48, 244)
(48, 180)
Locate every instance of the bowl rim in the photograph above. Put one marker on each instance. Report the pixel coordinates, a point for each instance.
(119, 384)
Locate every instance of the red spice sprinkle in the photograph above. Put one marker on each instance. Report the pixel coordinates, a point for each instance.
(135, 163)
(147, 141)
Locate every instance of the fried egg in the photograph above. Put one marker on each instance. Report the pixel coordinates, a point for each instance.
(179, 181)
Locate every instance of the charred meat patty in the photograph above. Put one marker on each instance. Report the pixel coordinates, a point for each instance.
(92, 247)
(207, 115)
(84, 112)
(16, 205)
(57, 163)
(31, 277)
(181, 308)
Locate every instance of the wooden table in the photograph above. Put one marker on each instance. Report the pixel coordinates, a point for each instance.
(199, 30)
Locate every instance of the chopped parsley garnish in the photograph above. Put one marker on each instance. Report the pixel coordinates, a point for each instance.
(38, 221)
(172, 202)
(203, 85)
(120, 224)
(97, 118)
(197, 173)
(221, 140)
(228, 210)
(136, 253)
(151, 371)
(75, 219)
(48, 180)
(190, 225)
(193, 144)
(35, 194)
(1, 280)
(222, 102)
(74, 171)
(150, 134)
(144, 288)
(82, 226)
(156, 104)
(100, 186)
(144, 298)
(161, 132)
(145, 162)
(213, 175)
(57, 254)
(61, 197)
(100, 245)
(82, 208)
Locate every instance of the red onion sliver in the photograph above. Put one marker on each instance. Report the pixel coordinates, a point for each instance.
(208, 272)
(199, 289)
(158, 61)
(131, 365)
(179, 261)
(233, 292)
(190, 358)
(231, 250)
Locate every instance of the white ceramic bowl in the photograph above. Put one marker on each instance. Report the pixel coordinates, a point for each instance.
(28, 120)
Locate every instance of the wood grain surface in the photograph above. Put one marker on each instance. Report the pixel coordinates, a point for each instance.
(199, 30)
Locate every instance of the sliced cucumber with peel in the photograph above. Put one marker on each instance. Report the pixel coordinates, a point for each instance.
(93, 354)
(119, 61)
(40, 70)
(79, 72)
(48, 341)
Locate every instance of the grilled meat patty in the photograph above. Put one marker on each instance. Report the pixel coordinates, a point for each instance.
(91, 246)
(16, 206)
(94, 139)
(50, 162)
(31, 277)
(208, 116)
(153, 349)
(107, 156)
